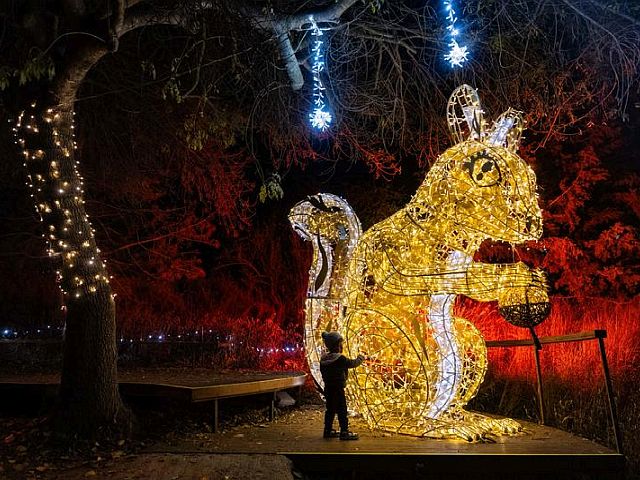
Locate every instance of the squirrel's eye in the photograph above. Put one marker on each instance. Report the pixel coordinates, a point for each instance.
(483, 169)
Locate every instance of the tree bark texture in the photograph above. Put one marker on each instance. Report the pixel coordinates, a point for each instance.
(88, 399)
(90, 353)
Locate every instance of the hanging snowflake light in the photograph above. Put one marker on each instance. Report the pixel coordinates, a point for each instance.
(457, 53)
(320, 117)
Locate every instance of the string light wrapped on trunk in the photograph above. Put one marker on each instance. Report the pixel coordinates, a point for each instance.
(47, 141)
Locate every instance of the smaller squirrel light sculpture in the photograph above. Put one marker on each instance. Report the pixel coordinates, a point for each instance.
(391, 290)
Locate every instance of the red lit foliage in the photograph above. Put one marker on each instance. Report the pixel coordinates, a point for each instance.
(591, 242)
(259, 285)
(576, 363)
(251, 294)
(592, 239)
(591, 253)
(380, 163)
(163, 227)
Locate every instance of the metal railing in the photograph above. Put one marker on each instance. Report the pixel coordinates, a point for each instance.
(598, 335)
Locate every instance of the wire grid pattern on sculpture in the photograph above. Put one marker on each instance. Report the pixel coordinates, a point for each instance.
(397, 289)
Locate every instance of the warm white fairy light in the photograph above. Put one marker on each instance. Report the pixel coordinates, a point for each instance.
(320, 117)
(457, 53)
(51, 172)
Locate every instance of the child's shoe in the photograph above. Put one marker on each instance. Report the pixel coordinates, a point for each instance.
(330, 434)
(348, 436)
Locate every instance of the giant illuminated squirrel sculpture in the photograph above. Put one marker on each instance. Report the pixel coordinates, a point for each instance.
(391, 290)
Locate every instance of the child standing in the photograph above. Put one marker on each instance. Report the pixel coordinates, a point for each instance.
(333, 367)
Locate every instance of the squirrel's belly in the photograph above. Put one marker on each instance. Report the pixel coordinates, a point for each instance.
(441, 321)
(449, 362)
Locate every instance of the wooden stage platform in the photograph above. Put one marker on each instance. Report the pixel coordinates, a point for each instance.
(188, 385)
(539, 453)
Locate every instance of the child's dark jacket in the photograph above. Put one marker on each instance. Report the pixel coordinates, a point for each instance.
(334, 366)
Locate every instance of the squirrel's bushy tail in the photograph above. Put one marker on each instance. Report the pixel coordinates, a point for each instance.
(330, 223)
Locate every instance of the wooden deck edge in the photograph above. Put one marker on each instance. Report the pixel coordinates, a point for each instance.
(185, 392)
(211, 392)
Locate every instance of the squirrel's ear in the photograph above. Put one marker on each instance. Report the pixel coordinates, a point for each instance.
(507, 130)
(464, 114)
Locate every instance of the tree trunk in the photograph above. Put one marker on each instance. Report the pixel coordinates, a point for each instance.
(89, 397)
(89, 401)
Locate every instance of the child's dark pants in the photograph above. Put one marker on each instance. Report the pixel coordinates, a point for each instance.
(336, 404)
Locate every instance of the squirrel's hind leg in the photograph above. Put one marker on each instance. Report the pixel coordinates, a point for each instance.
(473, 354)
(394, 385)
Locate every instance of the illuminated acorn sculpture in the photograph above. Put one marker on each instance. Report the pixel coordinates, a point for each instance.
(391, 290)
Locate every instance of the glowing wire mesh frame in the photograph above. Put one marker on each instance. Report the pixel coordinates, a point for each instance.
(329, 222)
(391, 291)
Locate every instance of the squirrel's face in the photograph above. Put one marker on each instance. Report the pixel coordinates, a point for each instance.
(482, 191)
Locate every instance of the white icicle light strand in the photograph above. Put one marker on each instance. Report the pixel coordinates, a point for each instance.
(457, 54)
(320, 117)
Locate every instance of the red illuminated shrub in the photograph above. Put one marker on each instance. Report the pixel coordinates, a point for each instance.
(591, 253)
(577, 363)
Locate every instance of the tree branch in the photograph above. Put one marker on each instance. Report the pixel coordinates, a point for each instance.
(614, 12)
(84, 58)
(289, 57)
(146, 19)
(281, 25)
(114, 31)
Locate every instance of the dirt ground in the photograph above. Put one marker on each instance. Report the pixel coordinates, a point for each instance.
(27, 452)
(172, 445)
(183, 446)
(168, 466)
(176, 444)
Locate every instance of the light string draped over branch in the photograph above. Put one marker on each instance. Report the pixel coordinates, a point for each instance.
(320, 117)
(457, 54)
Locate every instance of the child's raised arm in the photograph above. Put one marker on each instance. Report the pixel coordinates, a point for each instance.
(354, 362)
